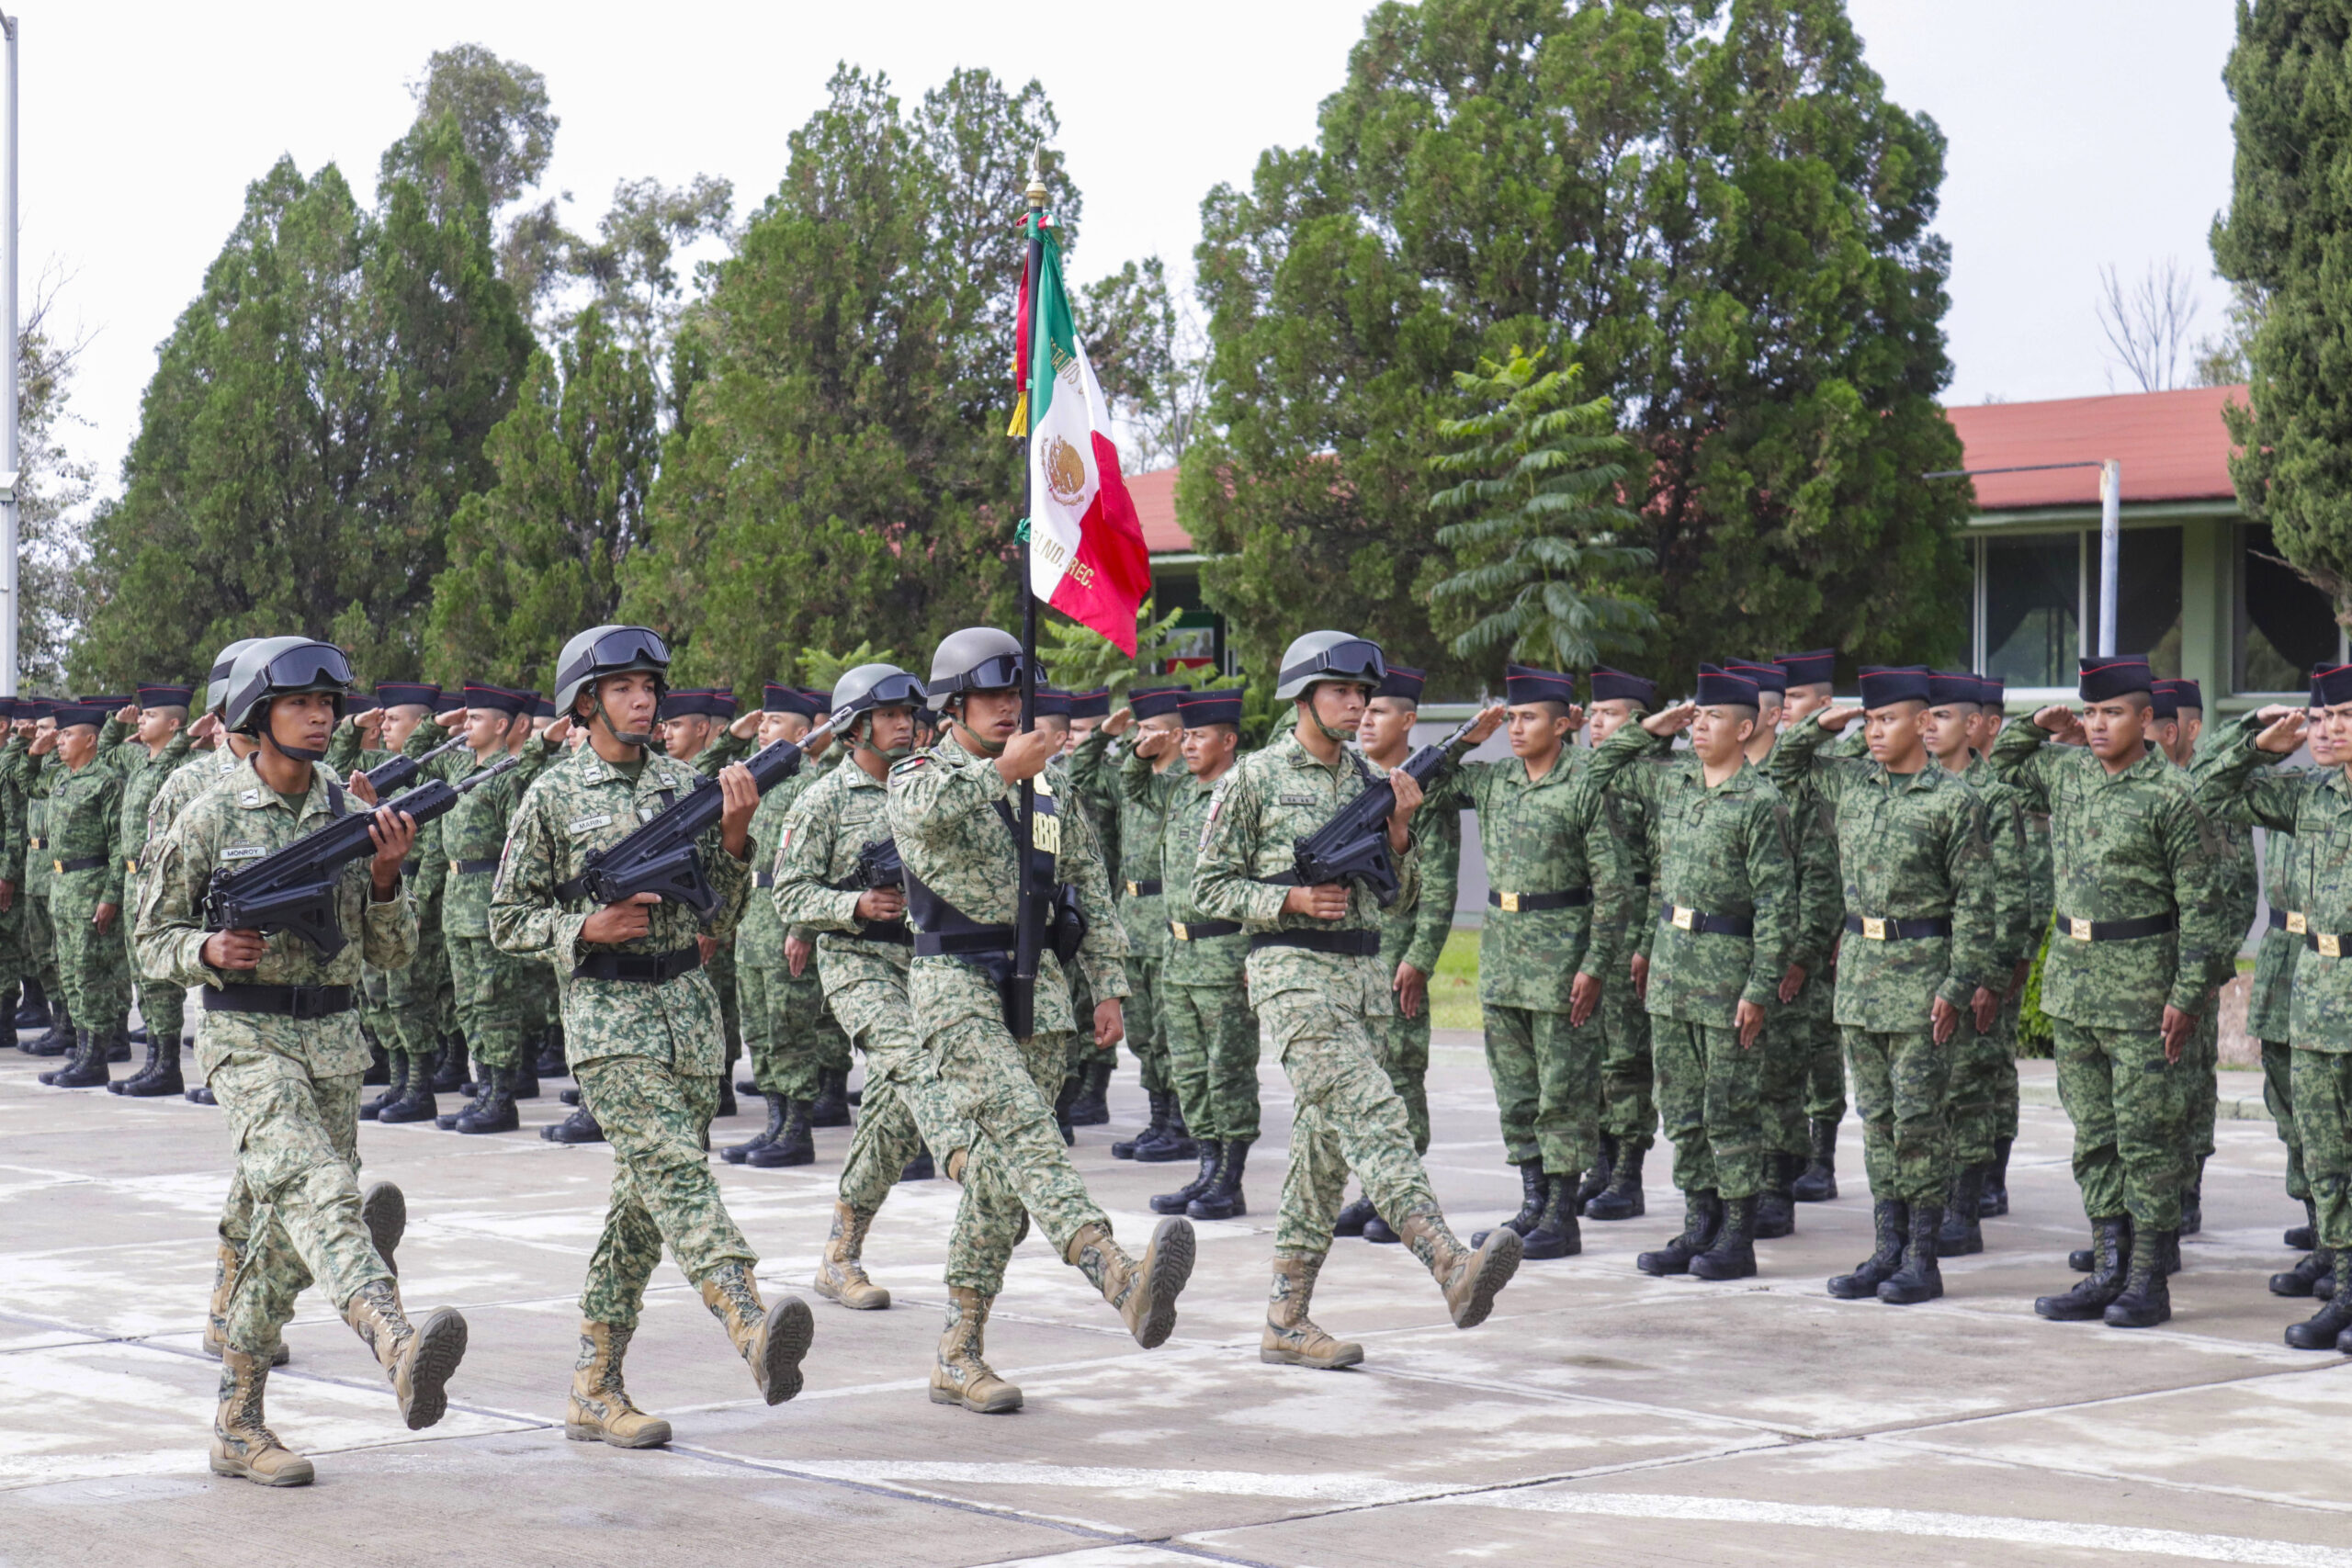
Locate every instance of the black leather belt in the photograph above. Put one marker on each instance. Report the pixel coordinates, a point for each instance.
(1144, 889)
(763, 879)
(641, 969)
(1345, 945)
(1641, 879)
(2116, 930)
(896, 933)
(80, 862)
(1200, 930)
(285, 1001)
(1873, 929)
(2280, 921)
(972, 943)
(408, 868)
(1682, 916)
(1516, 903)
(473, 867)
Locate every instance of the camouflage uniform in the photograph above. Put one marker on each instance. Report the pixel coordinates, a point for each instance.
(345, 754)
(1550, 854)
(1795, 1090)
(2270, 1000)
(492, 985)
(1985, 1068)
(160, 1006)
(1143, 912)
(1725, 853)
(15, 953)
(1413, 931)
(1203, 994)
(647, 1053)
(2128, 846)
(1313, 1006)
(2241, 873)
(86, 862)
(290, 1087)
(1628, 1080)
(40, 928)
(1910, 849)
(792, 1033)
(952, 840)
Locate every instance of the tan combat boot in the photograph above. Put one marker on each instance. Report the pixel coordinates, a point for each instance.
(418, 1362)
(1144, 1290)
(242, 1445)
(226, 1260)
(840, 1276)
(601, 1410)
(771, 1341)
(1470, 1279)
(384, 1212)
(1291, 1339)
(960, 1376)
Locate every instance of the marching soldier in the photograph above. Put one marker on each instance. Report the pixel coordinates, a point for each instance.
(1811, 684)
(280, 1047)
(84, 829)
(2127, 972)
(641, 1026)
(1612, 1189)
(1314, 977)
(952, 816)
(1917, 951)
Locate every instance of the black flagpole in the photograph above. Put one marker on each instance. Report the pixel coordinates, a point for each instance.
(1022, 1013)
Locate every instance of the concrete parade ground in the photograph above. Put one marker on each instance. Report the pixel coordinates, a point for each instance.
(1599, 1417)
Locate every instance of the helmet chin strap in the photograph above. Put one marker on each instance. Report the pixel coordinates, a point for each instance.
(862, 738)
(299, 753)
(1337, 737)
(971, 740)
(625, 737)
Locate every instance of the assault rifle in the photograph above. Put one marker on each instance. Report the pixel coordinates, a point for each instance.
(399, 772)
(1353, 845)
(879, 865)
(293, 889)
(659, 856)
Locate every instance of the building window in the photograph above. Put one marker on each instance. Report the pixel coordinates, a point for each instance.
(2284, 626)
(2033, 588)
(2147, 595)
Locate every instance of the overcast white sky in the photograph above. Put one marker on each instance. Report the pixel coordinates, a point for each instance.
(2082, 133)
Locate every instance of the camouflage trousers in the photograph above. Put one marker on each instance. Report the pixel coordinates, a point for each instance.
(162, 1006)
(1146, 1040)
(1346, 1117)
(1787, 1045)
(2322, 1091)
(422, 998)
(1981, 1066)
(1004, 1090)
(93, 964)
(663, 1192)
(1082, 1050)
(2128, 1105)
(2005, 1085)
(2202, 1059)
(293, 1206)
(1546, 1074)
(722, 975)
(1902, 1080)
(1824, 1050)
(40, 949)
(788, 1029)
(1628, 1081)
(1402, 1045)
(490, 999)
(2278, 1099)
(905, 1109)
(1213, 1058)
(1711, 1099)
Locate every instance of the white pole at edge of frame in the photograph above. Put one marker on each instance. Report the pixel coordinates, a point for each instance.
(2111, 532)
(9, 465)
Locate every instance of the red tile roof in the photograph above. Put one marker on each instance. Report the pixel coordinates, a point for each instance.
(2173, 446)
(1155, 497)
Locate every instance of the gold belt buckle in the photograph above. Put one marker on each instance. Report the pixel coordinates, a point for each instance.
(2297, 922)
(1684, 917)
(58, 866)
(2330, 945)
(1181, 930)
(453, 869)
(131, 865)
(2079, 930)
(1510, 903)
(1132, 892)
(1873, 929)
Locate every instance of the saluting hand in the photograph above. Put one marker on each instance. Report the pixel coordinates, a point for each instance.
(1490, 719)
(1672, 721)
(128, 714)
(1117, 725)
(2284, 733)
(1835, 719)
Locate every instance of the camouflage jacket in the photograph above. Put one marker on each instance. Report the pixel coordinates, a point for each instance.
(1723, 851)
(143, 776)
(239, 818)
(16, 774)
(473, 831)
(2271, 999)
(2009, 855)
(950, 837)
(2126, 846)
(40, 845)
(1910, 847)
(583, 803)
(759, 940)
(1820, 908)
(1548, 835)
(1265, 802)
(816, 856)
(84, 822)
(1097, 768)
(1632, 929)
(1413, 931)
(1193, 960)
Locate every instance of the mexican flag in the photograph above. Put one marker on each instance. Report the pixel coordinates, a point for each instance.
(1086, 551)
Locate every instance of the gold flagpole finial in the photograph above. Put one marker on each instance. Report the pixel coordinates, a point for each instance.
(1037, 177)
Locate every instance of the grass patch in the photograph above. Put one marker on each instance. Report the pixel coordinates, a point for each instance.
(1453, 989)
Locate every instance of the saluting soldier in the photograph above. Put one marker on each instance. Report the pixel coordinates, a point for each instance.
(145, 743)
(37, 722)
(1612, 1189)
(1812, 678)
(1992, 715)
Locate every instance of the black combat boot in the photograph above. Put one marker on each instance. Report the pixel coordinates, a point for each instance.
(551, 1064)
(450, 1072)
(1532, 1197)
(61, 1038)
(86, 1068)
(1994, 1201)
(520, 1081)
(1963, 1233)
(570, 1096)
(1211, 1152)
(1732, 1255)
(1776, 1206)
(117, 1040)
(580, 1127)
(735, 1154)
(794, 1145)
(1352, 1218)
(199, 1094)
(493, 1109)
(2303, 1280)
(127, 1085)
(416, 1102)
(2305, 1237)
(2192, 1203)
(379, 1066)
(165, 1080)
(1819, 1183)
(1623, 1199)
(1161, 1100)
(1064, 1097)
(2090, 1296)
(1224, 1198)
(1091, 1108)
(394, 1086)
(1555, 1234)
(1174, 1141)
(831, 1108)
(2321, 1330)
(1379, 1232)
(32, 1012)
(2146, 1300)
(1891, 1227)
(726, 1105)
(742, 1086)
(1918, 1279)
(1596, 1180)
(923, 1167)
(1703, 1216)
